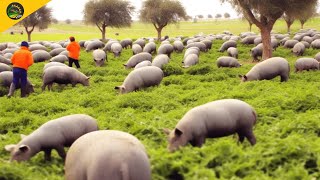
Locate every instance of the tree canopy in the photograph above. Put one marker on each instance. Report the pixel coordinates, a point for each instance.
(267, 12)
(226, 15)
(108, 13)
(40, 18)
(218, 16)
(305, 16)
(161, 13)
(289, 21)
(210, 16)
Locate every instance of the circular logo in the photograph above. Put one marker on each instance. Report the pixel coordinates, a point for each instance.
(15, 11)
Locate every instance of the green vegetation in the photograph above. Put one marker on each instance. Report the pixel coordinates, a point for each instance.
(287, 129)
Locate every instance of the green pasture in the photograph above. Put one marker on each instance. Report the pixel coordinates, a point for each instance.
(287, 129)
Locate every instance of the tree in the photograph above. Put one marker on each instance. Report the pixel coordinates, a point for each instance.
(268, 12)
(200, 16)
(108, 13)
(68, 21)
(226, 15)
(307, 15)
(40, 18)
(249, 21)
(289, 21)
(218, 16)
(161, 13)
(54, 20)
(210, 16)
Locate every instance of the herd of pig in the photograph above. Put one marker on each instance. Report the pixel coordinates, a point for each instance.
(119, 155)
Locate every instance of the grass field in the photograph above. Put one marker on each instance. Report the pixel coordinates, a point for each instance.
(287, 129)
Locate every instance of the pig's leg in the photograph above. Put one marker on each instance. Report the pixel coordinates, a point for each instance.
(61, 152)
(47, 154)
(251, 138)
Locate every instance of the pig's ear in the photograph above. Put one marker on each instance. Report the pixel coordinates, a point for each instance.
(245, 77)
(9, 147)
(94, 60)
(88, 77)
(24, 148)
(22, 136)
(166, 131)
(117, 87)
(178, 132)
(124, 65)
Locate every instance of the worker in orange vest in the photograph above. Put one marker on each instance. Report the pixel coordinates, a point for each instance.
(74, 52)
(21, 61)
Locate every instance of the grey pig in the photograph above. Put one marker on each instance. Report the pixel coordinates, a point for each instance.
(136, 59)
(116, 49)
(141, 78)
(306, 64)
(63, 75)
(136, 49)
(5, 67)
(54, 134)
(150, 47)
(214, 119)
(107, 154)
(227, 44)
(160, 60)
(190, 60)
(99, 57)
(298, 49)
(165, 49)
(268, 69)
(59, 58)
(6, 78)
(143, 64)
(53, 64)
(233, 52)
(226, 61)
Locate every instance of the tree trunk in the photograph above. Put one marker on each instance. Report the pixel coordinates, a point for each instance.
(159, 34)
(302, 24)
(29, 36)
(250, 27)
(288, 27)
(266, 41)
(103, 33)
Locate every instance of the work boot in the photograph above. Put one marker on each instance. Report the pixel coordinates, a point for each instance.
(12, 89)
(24, 91)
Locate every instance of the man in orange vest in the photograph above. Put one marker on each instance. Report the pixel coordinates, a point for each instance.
(74, 52)
(21, 61)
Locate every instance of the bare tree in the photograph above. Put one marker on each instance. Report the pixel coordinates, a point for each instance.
(161, 13)
(269, 11)
(41, 19)
(108, 13)
(289, 21)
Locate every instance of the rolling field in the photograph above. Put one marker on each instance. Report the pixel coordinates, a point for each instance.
(287, 129)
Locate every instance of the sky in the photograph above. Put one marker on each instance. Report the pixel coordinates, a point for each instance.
(72, 9)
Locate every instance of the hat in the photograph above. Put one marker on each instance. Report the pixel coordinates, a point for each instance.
(24, 43)
(72, 38)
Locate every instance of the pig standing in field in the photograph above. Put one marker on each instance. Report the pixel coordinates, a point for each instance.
(227, 45)
(306, 64)
(5, 60)
(55, 134)
(190, 60)
(116, 49)
(59, 58)
(63, 75)
(4, 67)
(53, 64)
(233, 52)
(298, 49)
(215, 119)
(6, 78)
(150, 47)
(268, 69)
(136, 59)
(141, 78)
(226, 61)
(136, 49)
(99, 57)
(143, 64)
(160, 60)
(107, 154)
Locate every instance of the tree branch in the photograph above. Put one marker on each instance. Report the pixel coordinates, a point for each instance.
(155, 26)
(249, 14)
(99, 27)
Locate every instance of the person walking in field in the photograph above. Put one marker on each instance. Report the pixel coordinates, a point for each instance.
(74, 52)
(21, 60)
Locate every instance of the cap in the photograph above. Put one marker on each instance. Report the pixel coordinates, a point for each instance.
(72, 38)
(24, 43)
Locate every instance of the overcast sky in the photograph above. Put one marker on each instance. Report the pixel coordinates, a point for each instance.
(72, 9)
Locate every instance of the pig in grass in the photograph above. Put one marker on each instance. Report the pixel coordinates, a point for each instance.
(214, 119)
(107, 154)
(306, 64)
(268, 69)
(63, 75)
(141, 78)
(55, 134)
(99, 57)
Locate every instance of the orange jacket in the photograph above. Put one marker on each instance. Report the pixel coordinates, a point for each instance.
(22, 58)
(74, 50)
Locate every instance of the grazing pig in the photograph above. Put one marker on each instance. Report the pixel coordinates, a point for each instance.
(150, 48)
(298, 49)
(135, 59)
(136, 49)
(55, 46)
(99, 57)
(141, 42)
(248, 40)
(143, 64)
(208, 43)
(53, 64)
(315, 44)
(54, 134)
(178, 46)
(107, 154)
(8, 55)
(56, 51)
(141, 78)
(160, 60)
(214, 119)
(63, 75)
(5, 60)
(190, 60)
(116, 49)
(227, 44)
(4, 67)
(290, 43)
(93, 45)
(200, 45)
(59, 58)
(306, 64)
(317, 57)
(34, 47)
(269, 69)
(41, 56)
(192, 50)
(6, 78)
(165, 49)
(226, 61)
(256, 52)
(233, 52)
(126, 43)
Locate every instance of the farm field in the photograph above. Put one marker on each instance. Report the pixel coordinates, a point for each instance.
(287, 129)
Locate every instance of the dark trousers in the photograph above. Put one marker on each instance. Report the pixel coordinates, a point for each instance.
(76, 62)
(19, 75)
